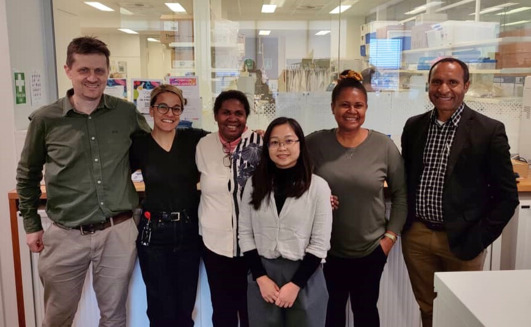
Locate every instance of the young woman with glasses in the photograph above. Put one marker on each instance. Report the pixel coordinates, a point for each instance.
(284, 232)
(226, 160)
(168, 244)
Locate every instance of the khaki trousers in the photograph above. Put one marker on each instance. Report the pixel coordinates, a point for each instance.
(63, 265)
(426, 252)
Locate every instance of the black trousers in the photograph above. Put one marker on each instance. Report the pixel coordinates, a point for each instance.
(170, 270)
(227, 278)
(359, 278)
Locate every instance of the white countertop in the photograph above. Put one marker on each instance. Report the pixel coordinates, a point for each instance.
(483, 298)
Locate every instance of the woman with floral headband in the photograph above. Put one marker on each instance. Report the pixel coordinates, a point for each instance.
(356, 162)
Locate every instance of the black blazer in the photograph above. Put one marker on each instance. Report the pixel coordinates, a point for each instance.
(480, 193)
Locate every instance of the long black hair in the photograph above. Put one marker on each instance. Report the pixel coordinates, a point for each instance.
(264, 175)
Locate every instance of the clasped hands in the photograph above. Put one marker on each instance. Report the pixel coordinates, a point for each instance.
(283, 297)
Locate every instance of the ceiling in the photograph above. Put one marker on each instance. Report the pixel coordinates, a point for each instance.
(145, 15)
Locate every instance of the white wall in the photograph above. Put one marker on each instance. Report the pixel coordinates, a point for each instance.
(158, 60)
(125, 48)
(67, 27)
(25, 47)
(8, 304)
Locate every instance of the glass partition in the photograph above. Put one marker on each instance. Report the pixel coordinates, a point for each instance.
(286, 60)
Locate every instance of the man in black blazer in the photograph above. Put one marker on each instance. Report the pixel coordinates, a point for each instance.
(461, 187)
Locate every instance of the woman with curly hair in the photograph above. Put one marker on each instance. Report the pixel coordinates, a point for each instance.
(357, 162)
(226, 160)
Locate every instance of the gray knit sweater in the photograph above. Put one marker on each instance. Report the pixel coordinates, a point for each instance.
(357, 176)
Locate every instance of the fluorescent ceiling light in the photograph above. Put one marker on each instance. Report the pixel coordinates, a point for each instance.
(422, 8)
(322, 33)
(264, 32)
(269, 9)
(128, 31)
(150, 39)
(407, 20)
(517, 23)
(495, 8)
(124, 11)
(99, 6)
(175, 6)
(514, 11)
(453, 5)
(340, 9)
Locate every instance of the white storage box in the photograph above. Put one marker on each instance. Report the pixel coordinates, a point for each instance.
(434, 38)
(454, 32)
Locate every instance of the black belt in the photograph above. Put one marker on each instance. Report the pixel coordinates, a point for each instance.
(166, 216)
(432, 225)
(108, 222)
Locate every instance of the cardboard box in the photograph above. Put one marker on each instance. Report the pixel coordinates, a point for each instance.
(168, 37)
(515, 47)
(418, 36)
(513, 60)
(181, 31)
(182, 54)
(522, 168)
(182, 58)
(519, 32)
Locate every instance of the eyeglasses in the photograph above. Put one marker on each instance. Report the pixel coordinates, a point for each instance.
(276, 144)
(227, 159)
(164, 108)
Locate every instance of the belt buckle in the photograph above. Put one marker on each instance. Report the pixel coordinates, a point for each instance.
(91, 230)
(175, 214)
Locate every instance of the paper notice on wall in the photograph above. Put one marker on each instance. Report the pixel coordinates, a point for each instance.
(36, 89)
(191, 115)
(142, 91)
(117, 87)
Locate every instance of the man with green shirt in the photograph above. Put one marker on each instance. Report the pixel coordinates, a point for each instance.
(82, 140)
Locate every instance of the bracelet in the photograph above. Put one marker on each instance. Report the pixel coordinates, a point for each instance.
(391, 236)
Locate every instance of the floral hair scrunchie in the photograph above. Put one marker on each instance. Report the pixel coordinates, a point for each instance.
(351, 74)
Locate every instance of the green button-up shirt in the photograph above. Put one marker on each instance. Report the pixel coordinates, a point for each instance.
(86, 162)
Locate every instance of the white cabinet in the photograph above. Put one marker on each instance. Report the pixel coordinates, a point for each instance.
(523, 238)
(477, 299)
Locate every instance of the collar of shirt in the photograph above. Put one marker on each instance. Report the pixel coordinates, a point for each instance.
(67, 105)
(231, 146)
(454, 119)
